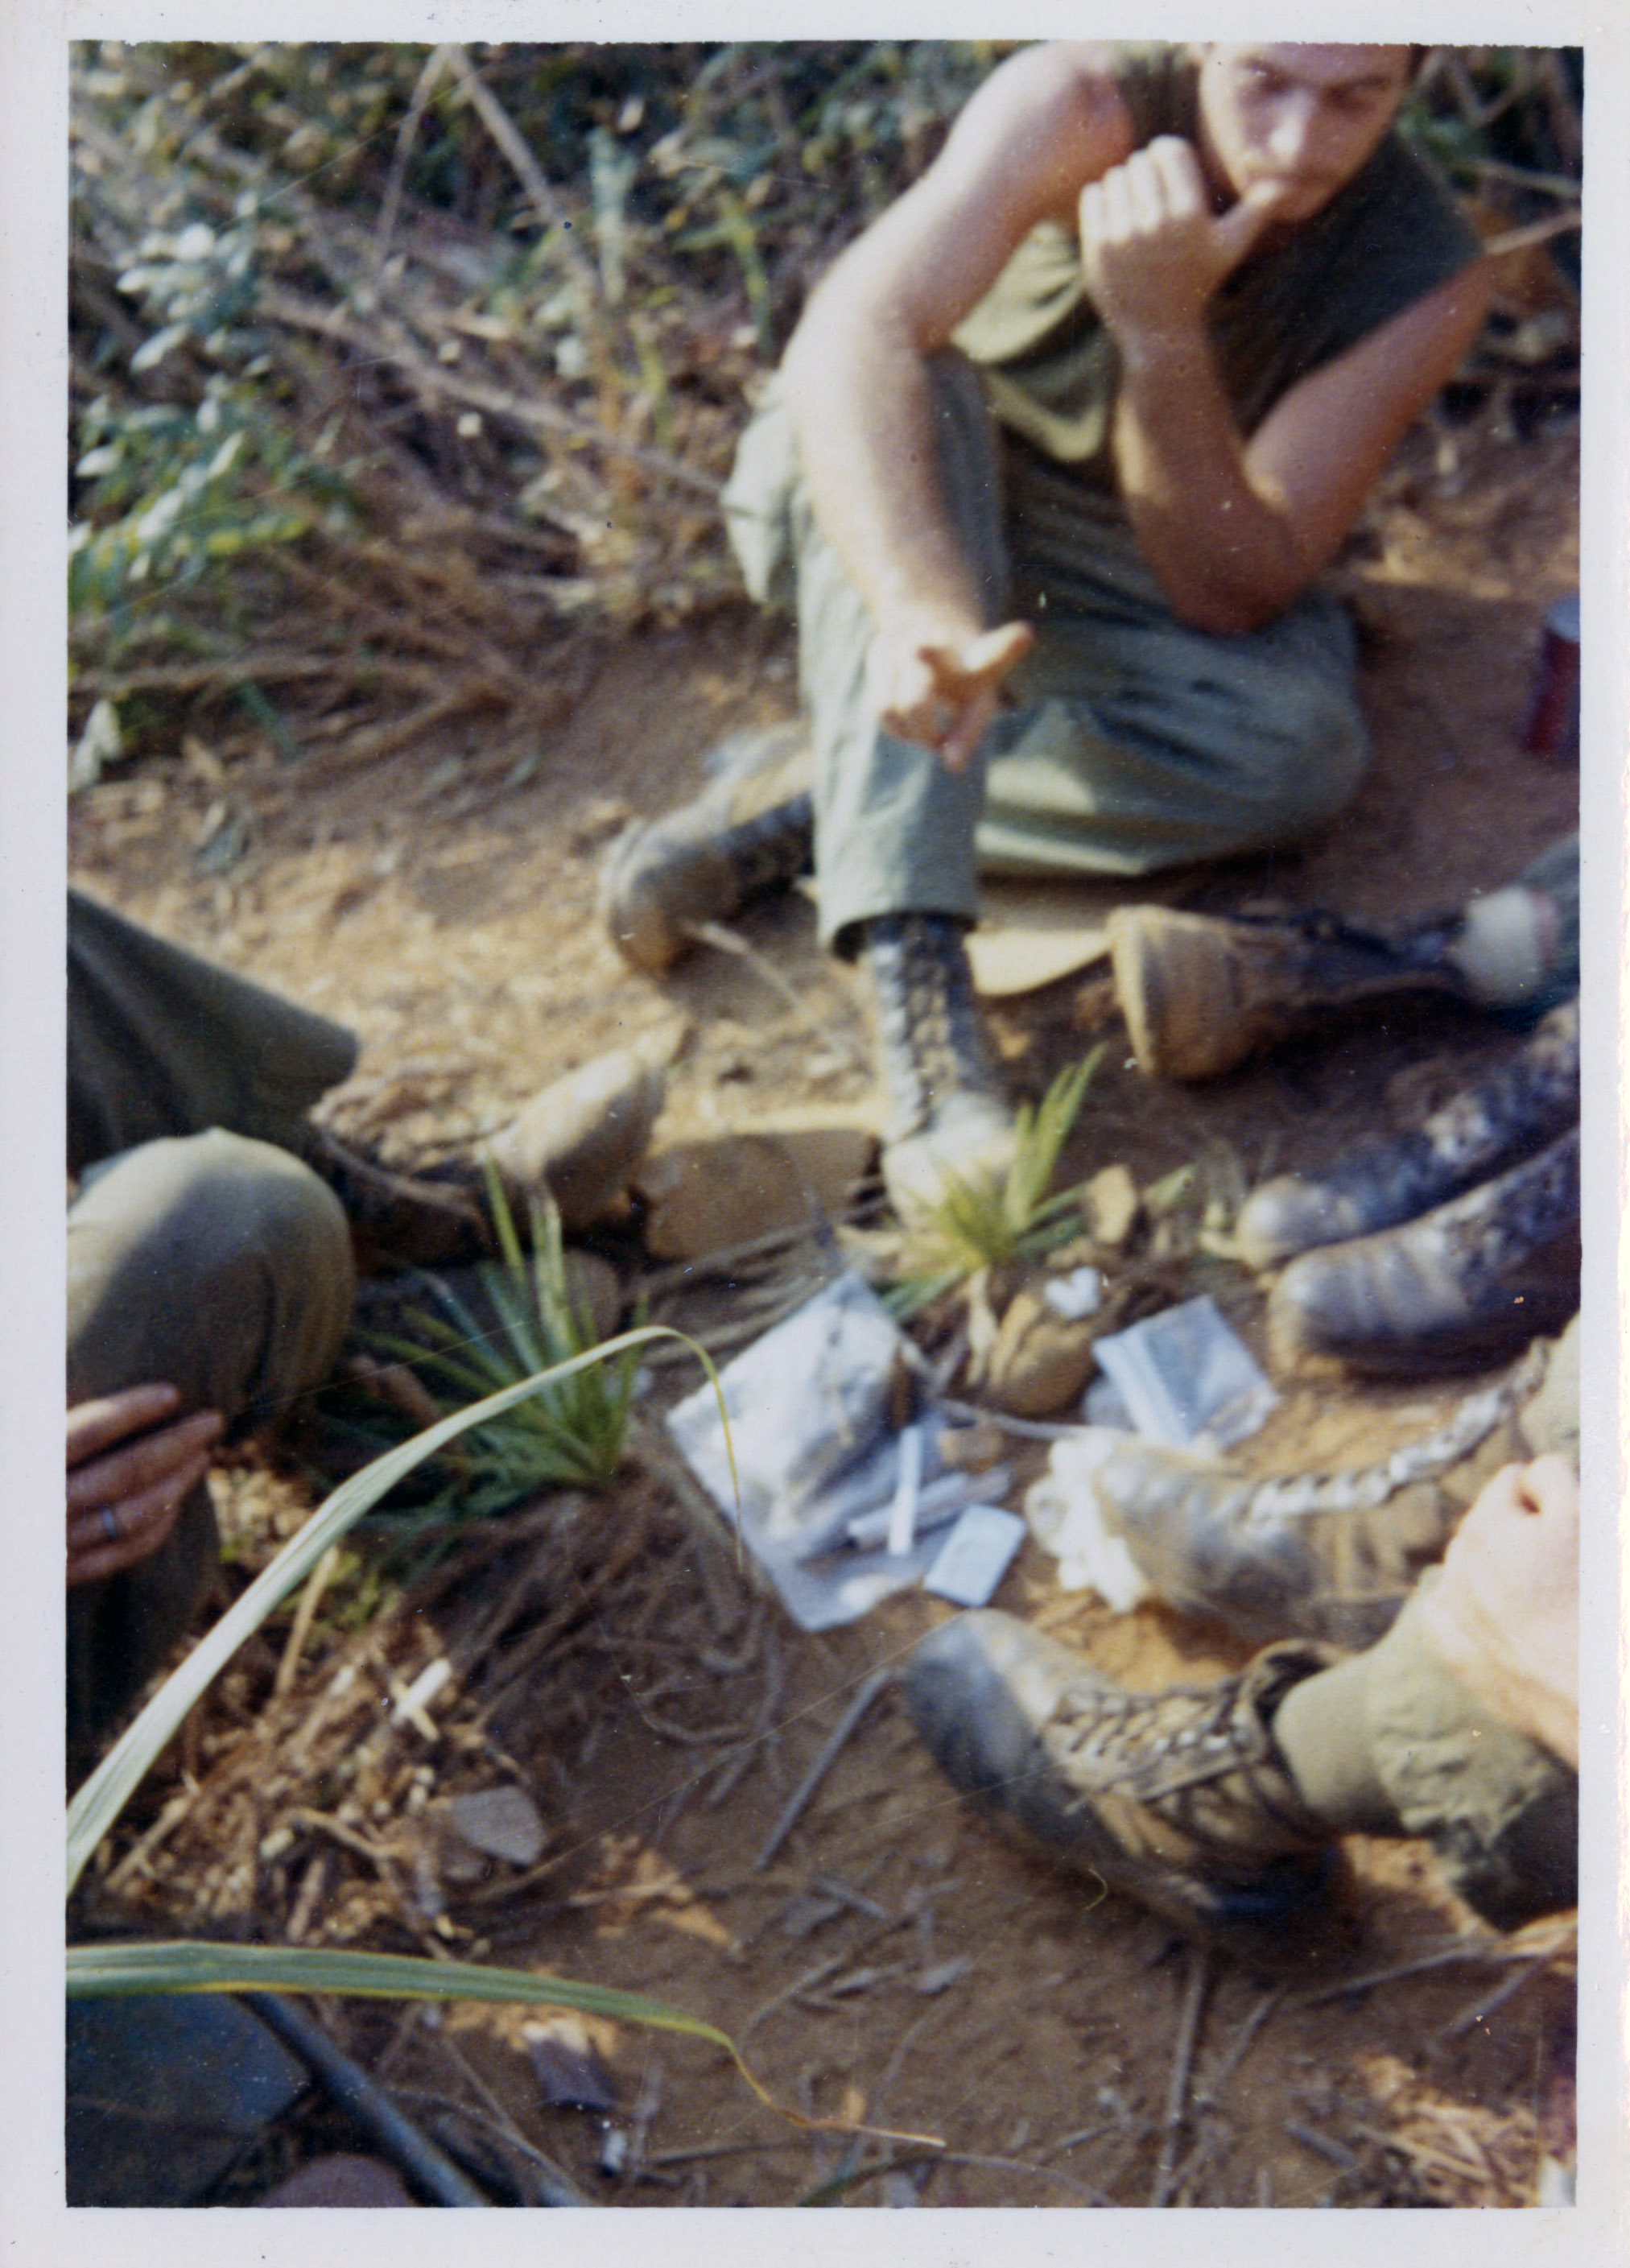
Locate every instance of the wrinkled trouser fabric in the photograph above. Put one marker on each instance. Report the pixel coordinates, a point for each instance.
(223, 1266)
(160, 1041)
(1135, 742)
(1392, 1742)
(209, 1258)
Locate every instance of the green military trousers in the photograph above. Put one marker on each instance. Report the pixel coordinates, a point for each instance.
(201, 1251)
(1135, 742)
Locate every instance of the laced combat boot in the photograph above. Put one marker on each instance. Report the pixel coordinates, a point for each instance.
(1523, 1104)
(1462, 1286)
(1179, 1799)
(1327, 1556)
(1201, 994)
(749, 833)
(949, 1122)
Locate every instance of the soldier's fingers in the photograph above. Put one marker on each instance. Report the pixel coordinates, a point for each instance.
(1238, 228)
(142, 1464)
(93, 1426)
(1117, 206)
(973, 723)
(1176, 169)
(103, 1543)
(1146, 197)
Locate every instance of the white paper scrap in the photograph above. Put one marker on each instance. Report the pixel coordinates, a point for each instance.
(903, 1511)
(978, 1553)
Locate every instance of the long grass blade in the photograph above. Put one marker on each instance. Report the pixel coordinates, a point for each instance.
(109, 1788)
(192, 1967)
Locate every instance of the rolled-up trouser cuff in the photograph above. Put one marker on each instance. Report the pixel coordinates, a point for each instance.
(1394, 1732)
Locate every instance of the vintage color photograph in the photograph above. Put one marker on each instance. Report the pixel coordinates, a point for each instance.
(823, 1113)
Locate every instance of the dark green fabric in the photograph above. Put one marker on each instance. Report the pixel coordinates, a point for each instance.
(1392, 234)
(223, 1266)
(161, 1042)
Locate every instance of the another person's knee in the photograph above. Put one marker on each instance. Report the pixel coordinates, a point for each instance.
(195, 1257)
(1320, 753)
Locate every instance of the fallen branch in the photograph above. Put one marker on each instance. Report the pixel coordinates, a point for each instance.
(798, 1802)
(1182, 2063)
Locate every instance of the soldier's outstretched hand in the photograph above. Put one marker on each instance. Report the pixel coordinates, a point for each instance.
(941, 689)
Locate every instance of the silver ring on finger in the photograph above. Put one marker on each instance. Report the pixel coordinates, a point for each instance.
(109, 1519)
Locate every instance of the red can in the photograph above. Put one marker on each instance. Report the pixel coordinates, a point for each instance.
(1552, 733)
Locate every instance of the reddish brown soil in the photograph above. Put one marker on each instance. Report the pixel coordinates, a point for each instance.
(442, 904)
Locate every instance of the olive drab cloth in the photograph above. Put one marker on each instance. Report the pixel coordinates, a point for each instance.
(201, 1251)
(160, 1041)
(1133, 742)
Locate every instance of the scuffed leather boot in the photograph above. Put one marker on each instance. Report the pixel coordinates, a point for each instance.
(1180, 1799)
(751, 833)
(1460, 1286)
(1199, 994)
(1327, 1556)
(1525, 1103)
(949, 1121)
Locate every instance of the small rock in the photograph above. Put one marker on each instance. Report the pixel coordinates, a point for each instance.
(702, 1196)
(1112, 1206)
(584, 1135)
(342, 2180)
(502, 1822)
(570, 2072)
(970, 1448)
(1040, 1361)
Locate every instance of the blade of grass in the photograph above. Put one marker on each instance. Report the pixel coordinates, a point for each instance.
(190, 1966)
(105, 1794)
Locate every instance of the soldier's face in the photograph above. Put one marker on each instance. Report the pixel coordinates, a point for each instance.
(1305, 118)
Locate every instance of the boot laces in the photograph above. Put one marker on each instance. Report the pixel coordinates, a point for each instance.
(931, 1037)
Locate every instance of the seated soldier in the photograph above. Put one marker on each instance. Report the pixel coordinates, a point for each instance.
(211, 1271)
(1056, 458)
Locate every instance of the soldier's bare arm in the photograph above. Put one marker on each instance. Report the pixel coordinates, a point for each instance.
(1236, 531)
(1049, 120)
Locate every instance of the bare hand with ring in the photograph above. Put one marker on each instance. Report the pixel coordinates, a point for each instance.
(123, 1500)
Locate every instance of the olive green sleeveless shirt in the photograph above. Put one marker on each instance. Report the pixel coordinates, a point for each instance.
(1389, 236)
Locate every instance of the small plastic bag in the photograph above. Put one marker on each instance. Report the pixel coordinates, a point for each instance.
(1187, 1380)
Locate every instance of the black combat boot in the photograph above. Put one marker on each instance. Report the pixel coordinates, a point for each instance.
(1179, 1799)
(1462, 1286)
(949, 1121)
(749, 833)
(1521, 1106)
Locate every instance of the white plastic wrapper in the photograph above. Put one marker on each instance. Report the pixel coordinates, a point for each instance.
(976, 1556)
(1187, 1380)
(815, 1454)
(1065, 1519)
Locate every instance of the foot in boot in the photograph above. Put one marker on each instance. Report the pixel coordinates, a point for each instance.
(1525, 1104)
(402, 1220)
(750, 833)
(1463, 1284)
(948, 1124)
(1200, 995)
(1179, 1799)
(1328, 1556)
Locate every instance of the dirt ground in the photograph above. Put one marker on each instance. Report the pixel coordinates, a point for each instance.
(895, 1963)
